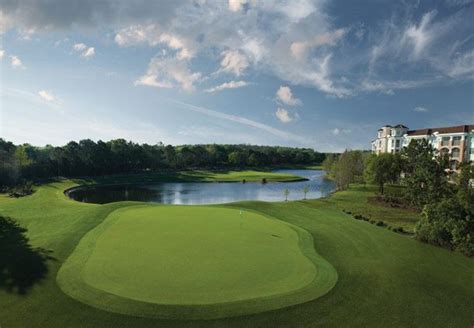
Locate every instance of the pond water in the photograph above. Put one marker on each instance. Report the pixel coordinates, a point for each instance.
(192, 193)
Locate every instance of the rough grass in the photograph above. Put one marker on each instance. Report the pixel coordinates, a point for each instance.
(194, 262)
(383, 278)
(356, 201)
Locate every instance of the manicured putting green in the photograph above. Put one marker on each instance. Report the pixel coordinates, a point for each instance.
(194, 262)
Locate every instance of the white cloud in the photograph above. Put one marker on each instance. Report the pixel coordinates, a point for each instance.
(90, 52)
(2, 53)
(420, 109)
(176, 43)
(299, 49)
(227, 85)
(295, 10)
(253, 48)
(79, 46)
(388, 87)
(463, 65)
(321, 80)
(46, 95)
(338, 131)
(152, 35)
(285, 96)
(284, 116)
(420, 36)
(236, 5)
(136, 34)
(167, 73)
(84, 50)
(233, 61)
(16, 62)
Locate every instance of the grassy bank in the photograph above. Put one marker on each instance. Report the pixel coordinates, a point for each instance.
(383, 277)
(359, 200)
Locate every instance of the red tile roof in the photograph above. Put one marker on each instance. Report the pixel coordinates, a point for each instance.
(449, 129)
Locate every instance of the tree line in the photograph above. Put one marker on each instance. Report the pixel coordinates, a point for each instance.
(445, 198)
(89, 158)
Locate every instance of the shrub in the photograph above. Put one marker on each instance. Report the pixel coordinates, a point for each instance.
(449, 223)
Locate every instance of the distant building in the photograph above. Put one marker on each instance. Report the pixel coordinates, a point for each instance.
(456, 141)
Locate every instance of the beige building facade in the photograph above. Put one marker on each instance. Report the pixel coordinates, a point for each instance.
(456, 141)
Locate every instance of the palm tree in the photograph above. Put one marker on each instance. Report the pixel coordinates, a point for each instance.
(287, 192)
(305, 191)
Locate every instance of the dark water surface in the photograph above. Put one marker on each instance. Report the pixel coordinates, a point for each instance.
(191, 193)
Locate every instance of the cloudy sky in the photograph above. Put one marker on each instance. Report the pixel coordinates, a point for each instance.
(321, 74)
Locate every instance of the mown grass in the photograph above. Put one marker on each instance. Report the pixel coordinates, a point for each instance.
(193, 176)
(384, 279)
(194, 262)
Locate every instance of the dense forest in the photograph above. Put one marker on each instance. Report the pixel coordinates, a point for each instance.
(19, 163)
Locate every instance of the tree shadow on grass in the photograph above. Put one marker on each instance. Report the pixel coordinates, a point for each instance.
(21, 265)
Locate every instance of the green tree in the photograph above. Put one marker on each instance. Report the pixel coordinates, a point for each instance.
(328, 164)
(383, 168)
(425, 174)
(236, 159)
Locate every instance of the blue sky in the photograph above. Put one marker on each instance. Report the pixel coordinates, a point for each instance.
(320, 74)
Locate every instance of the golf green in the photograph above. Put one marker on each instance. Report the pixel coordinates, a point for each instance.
(194, 262)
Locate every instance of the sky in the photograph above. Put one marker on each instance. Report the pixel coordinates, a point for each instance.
(320, 74)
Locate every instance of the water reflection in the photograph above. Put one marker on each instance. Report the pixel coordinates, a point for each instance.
(208, 193)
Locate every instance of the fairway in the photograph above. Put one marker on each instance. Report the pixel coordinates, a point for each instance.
(194, 262)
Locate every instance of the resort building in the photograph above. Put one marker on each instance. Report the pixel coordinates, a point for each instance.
(457, 141)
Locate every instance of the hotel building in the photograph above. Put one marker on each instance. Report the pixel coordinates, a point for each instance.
(456, 141)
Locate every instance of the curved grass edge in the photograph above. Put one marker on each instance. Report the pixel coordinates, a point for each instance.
(70, 282)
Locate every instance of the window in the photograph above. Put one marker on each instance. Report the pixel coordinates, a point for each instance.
(445, 141)
(457, 141)
(455, 153)
(397, 144)
(444, 151)
(392, 142)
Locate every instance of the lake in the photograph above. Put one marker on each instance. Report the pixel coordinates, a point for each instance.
(193, 193)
